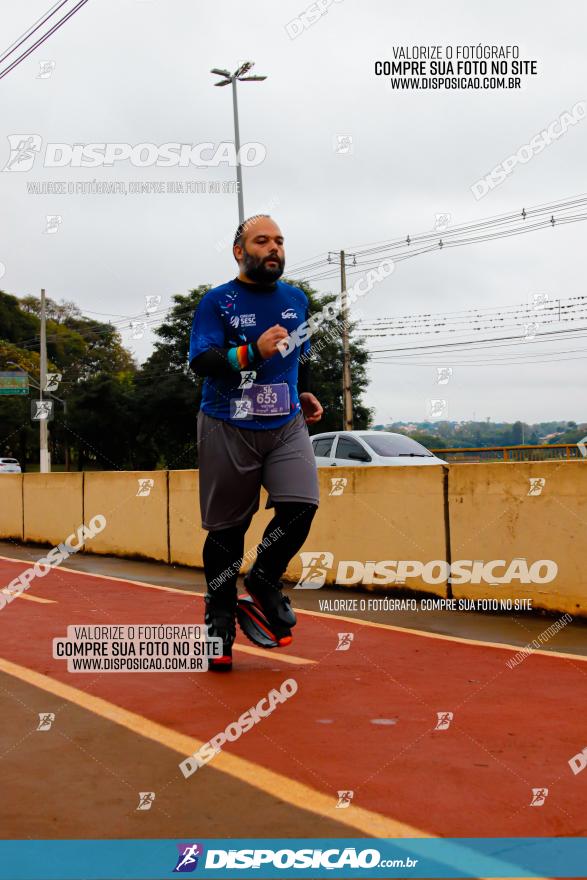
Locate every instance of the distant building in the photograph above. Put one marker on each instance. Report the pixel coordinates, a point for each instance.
(548, 437)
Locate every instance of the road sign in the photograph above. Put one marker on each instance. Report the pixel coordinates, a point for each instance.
(14, 383)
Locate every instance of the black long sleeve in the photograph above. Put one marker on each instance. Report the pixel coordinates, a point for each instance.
(303, 377)
(214, 363)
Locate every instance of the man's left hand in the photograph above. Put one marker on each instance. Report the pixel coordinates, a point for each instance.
(311, 407)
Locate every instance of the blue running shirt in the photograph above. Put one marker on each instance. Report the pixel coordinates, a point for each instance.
(236, 314)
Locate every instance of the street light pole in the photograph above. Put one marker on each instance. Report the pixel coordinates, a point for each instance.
(232, 79)
(237, 146)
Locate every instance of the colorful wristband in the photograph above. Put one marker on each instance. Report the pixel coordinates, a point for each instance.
(241, 357)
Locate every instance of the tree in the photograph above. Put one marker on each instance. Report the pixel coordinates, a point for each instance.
(83, 351)
(19, 436)
(428, 440)
(16, 325)
(58, 312)
(573, 435)
(121, 416)
(517, 437)
(326, 368)
(168, 393)
(102, 423)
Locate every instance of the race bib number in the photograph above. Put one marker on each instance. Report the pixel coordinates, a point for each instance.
(268, 400)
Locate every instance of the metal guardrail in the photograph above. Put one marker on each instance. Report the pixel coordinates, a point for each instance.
(477, 454)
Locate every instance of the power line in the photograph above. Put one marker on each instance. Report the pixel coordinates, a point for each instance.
(485, 311)
(438, 325)
(437, 240)
(414, 352)
(407, 254)
(508, 360)
(422, 334)
(481, 343)
(435, 235)
(103, 328)
(499, 362)
(34, 27)
(42, 39)
(442, 244)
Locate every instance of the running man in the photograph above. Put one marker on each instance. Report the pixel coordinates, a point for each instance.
(252, 432)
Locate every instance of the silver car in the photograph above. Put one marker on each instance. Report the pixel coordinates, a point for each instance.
(370, 448)
(9, 466)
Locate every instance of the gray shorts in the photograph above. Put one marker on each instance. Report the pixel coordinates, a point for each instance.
(235, 462)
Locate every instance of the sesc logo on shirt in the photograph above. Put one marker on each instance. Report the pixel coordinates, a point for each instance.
(249, 320)
(235, 314)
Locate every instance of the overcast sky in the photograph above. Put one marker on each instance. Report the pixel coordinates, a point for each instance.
(137, 71)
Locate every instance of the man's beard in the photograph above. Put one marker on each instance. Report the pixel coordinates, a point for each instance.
(257, 270)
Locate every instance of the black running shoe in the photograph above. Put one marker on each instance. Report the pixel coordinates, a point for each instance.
(254, 624)
(220, 623)
(275, 607)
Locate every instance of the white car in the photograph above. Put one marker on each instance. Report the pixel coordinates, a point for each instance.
(9, 466)
(370, 448)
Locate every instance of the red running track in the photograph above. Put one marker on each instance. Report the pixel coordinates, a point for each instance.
(513, 729)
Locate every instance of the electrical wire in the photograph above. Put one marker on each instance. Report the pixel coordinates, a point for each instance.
(432, 241)
(154, 317)
(34, 27)
(509, 341)
(42, 39)
(436, 235)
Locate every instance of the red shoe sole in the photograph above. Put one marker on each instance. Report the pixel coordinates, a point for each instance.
(220, 664)
(251, 610)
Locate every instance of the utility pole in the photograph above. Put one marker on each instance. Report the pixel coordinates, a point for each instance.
(45, 462)
(347, 397)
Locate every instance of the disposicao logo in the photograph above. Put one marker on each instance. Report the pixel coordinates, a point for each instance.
(188, 858)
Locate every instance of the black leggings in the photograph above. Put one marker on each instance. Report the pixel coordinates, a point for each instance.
(283, 537)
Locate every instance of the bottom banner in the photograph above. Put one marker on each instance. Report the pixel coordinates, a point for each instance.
(277, 858)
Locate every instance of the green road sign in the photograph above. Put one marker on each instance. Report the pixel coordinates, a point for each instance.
(14, 383)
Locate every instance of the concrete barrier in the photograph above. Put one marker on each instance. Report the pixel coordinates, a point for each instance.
(11, 517)
(53, 506)
(376, 514)
(134, 504)
(186, 536)
(499, 511)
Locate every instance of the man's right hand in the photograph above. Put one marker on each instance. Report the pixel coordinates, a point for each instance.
(267, 341)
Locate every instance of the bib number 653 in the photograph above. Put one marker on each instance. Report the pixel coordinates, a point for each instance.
(267, 397)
